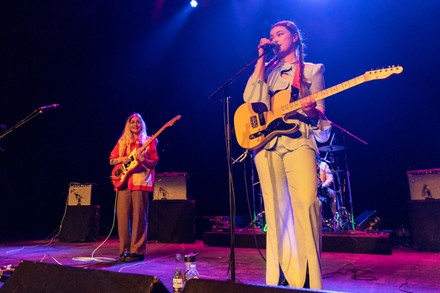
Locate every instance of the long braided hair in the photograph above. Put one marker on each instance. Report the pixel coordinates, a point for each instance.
(293, 29)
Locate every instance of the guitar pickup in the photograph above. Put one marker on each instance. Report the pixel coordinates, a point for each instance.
(257, 121)
(254, 121)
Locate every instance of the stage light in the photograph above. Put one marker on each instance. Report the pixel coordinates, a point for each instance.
(193, 3)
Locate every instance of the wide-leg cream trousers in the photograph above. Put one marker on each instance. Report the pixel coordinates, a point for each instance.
(293, 242)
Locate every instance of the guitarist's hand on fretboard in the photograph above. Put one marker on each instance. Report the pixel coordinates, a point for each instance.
(140, 156)
(308, 105)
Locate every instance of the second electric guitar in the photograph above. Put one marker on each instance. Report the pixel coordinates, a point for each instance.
(255, 125)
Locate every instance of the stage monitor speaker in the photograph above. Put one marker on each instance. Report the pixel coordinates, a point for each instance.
(424, 217)
(80, 224)
(424, 184)
(170, 186)
(42, 277)
(367, 220)
(212, 286)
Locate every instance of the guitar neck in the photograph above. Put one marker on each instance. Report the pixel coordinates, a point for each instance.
(152, 138)
(293, 106)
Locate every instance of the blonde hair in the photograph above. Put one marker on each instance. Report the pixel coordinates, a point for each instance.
(127, 136)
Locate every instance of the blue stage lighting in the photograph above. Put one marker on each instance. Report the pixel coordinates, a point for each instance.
(193, 3)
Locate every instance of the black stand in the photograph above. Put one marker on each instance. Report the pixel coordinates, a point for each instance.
(224, 89)
(350, 197)
(34, 114)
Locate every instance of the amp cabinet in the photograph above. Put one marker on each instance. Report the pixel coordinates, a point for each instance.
(171, 186)
(424, 184)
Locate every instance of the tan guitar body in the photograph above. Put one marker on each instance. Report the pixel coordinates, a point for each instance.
(254, 125)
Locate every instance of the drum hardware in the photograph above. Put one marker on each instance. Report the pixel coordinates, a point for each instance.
(331, 148)
(341, 219)
(259, 222)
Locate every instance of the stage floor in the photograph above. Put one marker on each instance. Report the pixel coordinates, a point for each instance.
(405, 270)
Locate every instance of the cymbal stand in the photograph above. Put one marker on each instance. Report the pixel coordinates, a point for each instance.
(342, 216)
(339, 220)
(350, 198)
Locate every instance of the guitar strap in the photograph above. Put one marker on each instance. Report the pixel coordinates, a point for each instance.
(295, 90)
(295, 82)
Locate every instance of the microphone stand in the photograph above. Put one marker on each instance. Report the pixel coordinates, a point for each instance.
(34, 114)
(347, 171)
(224, 89)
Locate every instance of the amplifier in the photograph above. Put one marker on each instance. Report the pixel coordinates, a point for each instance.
(424, 184)
(79, 194)
(170, 186)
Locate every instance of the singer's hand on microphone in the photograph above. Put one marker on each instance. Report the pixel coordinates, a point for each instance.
(264, 45)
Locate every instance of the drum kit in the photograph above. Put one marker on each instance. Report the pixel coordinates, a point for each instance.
(336, 201)
(337, 206)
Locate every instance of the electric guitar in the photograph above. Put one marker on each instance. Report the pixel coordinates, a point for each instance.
(121, 172)
(255, 125)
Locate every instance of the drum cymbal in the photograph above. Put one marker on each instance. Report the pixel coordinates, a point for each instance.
(331, 148)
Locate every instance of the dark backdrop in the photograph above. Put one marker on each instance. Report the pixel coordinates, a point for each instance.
(103, 60)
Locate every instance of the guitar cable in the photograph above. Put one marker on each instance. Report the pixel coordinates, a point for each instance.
(241, 157)
(102, 259)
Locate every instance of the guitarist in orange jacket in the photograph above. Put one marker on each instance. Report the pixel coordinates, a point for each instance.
(132, 196)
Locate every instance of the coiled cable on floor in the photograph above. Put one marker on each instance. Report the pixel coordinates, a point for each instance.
(102, 259)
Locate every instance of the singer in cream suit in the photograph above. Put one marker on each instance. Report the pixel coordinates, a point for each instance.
(286, 164)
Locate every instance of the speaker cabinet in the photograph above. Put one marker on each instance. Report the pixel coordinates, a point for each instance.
(41, 277)
(424, 217)
(79, 194)
(80, 224)
(424, 184)
(212, 286)
(171, 221)
(172, 186)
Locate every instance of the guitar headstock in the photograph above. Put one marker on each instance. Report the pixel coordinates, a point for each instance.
(172, 121)
(382, 73)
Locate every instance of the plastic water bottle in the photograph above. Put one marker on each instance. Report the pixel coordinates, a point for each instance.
(192, 273)
(178, 280)
(189, 259)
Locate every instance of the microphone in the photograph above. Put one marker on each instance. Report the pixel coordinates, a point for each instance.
(48, 107)
(269, 46)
